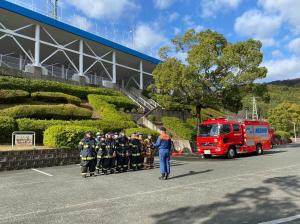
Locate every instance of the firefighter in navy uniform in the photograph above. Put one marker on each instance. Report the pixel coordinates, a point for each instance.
(143, 151)
(108, 163)
(135, 151)
(149, 152)
(87, 154)
(101, 147)
(122, 153)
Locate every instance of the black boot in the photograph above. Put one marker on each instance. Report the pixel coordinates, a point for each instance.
(166, 177)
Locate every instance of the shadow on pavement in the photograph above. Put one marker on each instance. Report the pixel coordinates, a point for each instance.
(249, 205)
(191, 173)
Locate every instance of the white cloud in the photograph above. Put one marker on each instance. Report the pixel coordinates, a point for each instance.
(99, 9)
(163, 4)
(280, 69)
(257, 25)
(148, 39)
(287, 9)
(276, 53)
(210, 8)
(173, 16)
(177, 31)
(80, 22)
(294, 45)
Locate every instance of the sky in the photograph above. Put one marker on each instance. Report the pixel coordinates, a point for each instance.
(148, 25)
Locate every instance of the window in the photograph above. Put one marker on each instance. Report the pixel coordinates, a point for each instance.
(207, 130)
(236, 128)
(225, 129)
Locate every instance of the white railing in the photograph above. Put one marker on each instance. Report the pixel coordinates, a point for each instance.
(53, 70)
(151, 104)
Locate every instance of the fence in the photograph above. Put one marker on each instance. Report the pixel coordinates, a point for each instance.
(52, 70)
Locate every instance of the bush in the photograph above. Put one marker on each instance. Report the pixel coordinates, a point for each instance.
(65, 136)
(180, 128)
(51, 86)
(63, 111)
(12, 96)
(120, 102)
(55, 97)
(144, 131)
(283, 134)
(7, 126)
(39, 126)
(107, 111)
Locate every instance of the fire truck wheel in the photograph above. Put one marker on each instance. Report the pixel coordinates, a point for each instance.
(259, 150)
(231, 153)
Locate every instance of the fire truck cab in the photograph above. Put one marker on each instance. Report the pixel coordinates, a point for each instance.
(222, 137)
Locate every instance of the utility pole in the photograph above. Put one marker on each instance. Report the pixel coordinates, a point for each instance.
(295, 132)
(254, 109)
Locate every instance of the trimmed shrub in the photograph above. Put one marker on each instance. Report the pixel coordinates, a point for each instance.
(283, 134)
(144, 131)
(63, 111)
(120, 102)
(55, 97)
(65, 136)
(7, 126)
(39, 126)
(180, 128)
(51, 86)
(107, 111)
(13, 96)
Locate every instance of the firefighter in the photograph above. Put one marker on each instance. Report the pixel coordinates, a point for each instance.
(150, 152)
(87, 154)
(101, 147)
(164, 145)
(135, 146)
(143, 152)
(108, 163)
(122, 153)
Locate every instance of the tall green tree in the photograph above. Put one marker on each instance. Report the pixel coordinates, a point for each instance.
(212, 74)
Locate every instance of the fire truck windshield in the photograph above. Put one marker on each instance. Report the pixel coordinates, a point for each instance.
(207, 130)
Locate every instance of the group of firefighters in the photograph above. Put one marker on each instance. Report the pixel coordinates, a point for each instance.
(115, 152)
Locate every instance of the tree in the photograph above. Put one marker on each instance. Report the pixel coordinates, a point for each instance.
(283, 116)
(212, 74)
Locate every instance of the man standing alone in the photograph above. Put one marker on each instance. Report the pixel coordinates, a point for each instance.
(163, 143)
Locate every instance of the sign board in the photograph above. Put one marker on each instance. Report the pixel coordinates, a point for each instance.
(24, 139)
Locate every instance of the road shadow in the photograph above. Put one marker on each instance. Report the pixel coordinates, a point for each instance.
(191, 173)
(249, 205)
(289, 184)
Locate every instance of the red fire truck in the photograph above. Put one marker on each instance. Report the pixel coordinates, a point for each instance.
(224, 137)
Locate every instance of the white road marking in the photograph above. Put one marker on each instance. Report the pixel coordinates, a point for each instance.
(283, 220)
(70, 206)
(47, 174)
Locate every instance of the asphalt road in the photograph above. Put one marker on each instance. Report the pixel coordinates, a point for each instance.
(250, 189)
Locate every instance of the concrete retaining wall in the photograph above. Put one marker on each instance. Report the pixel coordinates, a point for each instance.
(25, 159)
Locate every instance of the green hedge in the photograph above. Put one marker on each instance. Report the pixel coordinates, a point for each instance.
(7, 126)
(180, 128)
(107, 111)
(144, 131)
(119, 101)
(55, 97)
(65, 136)
(39, 126)
(283, 134)
(63, 111)
(13, 96)
(51, 86)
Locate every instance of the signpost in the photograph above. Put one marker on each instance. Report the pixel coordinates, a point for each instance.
(23, 138)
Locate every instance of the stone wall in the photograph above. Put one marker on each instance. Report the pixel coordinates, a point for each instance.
(25, 159)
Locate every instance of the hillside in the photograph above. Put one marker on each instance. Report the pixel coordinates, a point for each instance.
(288, 82)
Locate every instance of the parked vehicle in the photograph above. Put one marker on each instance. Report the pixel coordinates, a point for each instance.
(222, 137)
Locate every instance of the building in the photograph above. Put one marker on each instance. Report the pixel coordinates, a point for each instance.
(39, 44)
